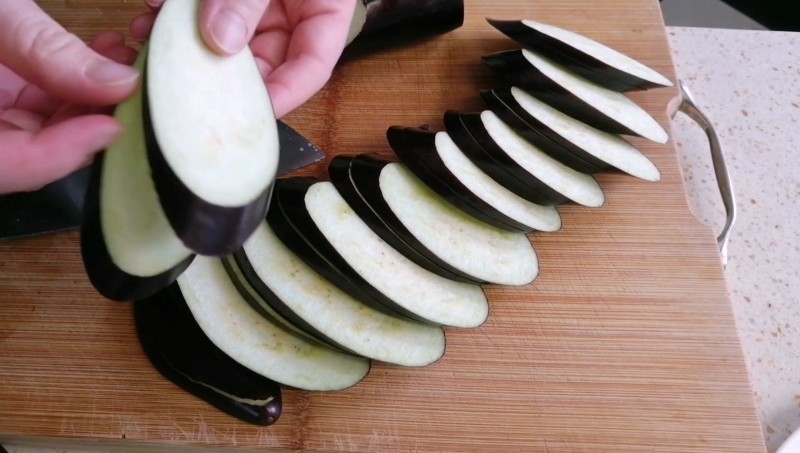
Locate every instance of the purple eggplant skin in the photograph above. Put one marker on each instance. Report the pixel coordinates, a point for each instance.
(240, 261)
(579, 62)
(473, 122)
(512, 66)
(497, 165)
(365, 172)
(180, 351)
(203, 227)
(293, 225)
(398, 23)
(339, 171)
(416, 148)
(108, 279)
(503, 104)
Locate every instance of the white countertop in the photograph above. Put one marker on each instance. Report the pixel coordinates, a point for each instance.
(748, 84)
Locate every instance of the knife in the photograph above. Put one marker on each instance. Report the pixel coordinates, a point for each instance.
(58, 206)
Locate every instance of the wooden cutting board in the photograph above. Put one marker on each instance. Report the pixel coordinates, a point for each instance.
(626, 342)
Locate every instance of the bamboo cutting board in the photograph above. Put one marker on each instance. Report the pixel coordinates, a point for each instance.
(626, 342)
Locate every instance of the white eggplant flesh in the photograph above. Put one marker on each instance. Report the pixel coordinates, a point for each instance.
(478, 249)
(537, 217)
(611, 103)
(344, 320)
(578, 187)
(137, 234)
(609, 148)
(265, 348)
(212, 115)
(429, 296)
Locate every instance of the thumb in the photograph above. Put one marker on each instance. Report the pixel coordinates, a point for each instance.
(38, 49)
(228, 25)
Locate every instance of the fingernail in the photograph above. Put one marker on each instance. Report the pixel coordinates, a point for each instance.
(229, 31)
(110, 73)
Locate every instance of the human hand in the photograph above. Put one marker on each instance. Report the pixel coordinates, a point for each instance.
(48, 81)
(296, 43)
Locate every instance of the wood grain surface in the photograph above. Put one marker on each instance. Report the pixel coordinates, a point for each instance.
(626, 342)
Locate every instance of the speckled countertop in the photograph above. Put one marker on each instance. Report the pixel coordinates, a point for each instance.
(748, 83)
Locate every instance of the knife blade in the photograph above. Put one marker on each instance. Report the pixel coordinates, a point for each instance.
(58, 206)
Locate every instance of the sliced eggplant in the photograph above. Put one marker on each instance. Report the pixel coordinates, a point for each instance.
(213, 144)
(331, 314)
(383, 24)
(339, 171)
(546, 174)
(386, 271)
(582, 55)
(503, 105)
(609, 150)
(182, 353)
(533, 216)
(128, 248)
(416, 151)
(497, 166)
(580, 98)
(440, 230)
(291, 223)
(251, 340)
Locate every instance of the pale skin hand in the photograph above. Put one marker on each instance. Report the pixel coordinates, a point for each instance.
(50, 84)
(296, 42)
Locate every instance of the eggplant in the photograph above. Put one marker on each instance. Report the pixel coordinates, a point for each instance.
(450, 164)
(585, 101)
(339, 171)
(296, 229)
(552, 178)
(505, 172)
(182, 353)
(324, 311)
(502, 104)
(609, 151)
(212, 144)
(584, 56)
(258, 344)
(128, 248)
(441, 231)
(390, 277)
(383, 24)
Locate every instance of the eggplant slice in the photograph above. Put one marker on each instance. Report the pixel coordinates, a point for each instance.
(383, 24)
(544, 171)
(182, 353)
(580, 98)
(128, 248)
(440, 230)
(263, 347)
(340, 174)
(498, 166)
(609, 151)
(582, 55)
(386, 271)
(332, 314)
(213, 145)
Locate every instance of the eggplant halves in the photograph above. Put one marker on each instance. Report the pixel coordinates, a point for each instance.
(582, 55)
(182, 353)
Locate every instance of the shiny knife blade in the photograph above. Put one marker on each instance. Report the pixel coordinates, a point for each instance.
(58, 205)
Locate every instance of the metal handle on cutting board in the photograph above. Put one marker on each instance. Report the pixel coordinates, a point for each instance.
(689, 107)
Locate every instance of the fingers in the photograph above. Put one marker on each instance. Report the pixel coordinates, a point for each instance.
(228, 25)
(315, 46)
(42, 52)
(29, 160)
